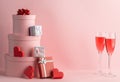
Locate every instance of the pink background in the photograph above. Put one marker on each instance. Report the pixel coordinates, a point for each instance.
(69, 27)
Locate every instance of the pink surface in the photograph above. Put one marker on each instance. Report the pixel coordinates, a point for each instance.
(68, 29)
(26, 43)
(21, 24)
(79, 76)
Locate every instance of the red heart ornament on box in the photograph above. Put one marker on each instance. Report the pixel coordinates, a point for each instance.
(18, 52)
(27, 12)
(29, 72)
(23, 12)
(20, 12)
(56, 74)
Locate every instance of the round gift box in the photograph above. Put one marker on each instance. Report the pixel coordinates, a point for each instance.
(26, 43)
(15, 66)
(21, 23)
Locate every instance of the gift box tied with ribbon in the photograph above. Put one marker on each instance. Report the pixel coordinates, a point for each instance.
(46, 66)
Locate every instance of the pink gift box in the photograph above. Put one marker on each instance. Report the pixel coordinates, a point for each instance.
(26, 43)
(45, 65)
(21, 24)
(15, 66)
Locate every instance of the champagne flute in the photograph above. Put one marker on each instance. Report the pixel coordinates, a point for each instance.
(100, 44)
(110, 46)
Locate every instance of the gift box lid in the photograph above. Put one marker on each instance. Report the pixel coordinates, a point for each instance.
(20, 37)
(27, 17)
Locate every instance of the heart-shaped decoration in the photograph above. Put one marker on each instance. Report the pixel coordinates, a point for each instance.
(23, 12)
(56, 74)
(29, 72)
(18, 52)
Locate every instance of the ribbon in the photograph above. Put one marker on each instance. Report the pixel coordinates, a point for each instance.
(43, 61)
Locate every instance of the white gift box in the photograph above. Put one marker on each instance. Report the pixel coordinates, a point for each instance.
(35, 30)
(39, 51)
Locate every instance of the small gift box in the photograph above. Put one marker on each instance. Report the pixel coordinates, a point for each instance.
(35, 30)
(45, 65)
(39, 51)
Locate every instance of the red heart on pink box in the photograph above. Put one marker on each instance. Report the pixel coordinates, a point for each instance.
(56, 74)
(29, 72)
(23, 12)
(18, 52)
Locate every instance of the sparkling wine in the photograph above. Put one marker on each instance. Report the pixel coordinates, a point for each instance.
(110, 45)
(100, 43)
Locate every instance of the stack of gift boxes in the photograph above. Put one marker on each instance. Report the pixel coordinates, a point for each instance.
(44, 66)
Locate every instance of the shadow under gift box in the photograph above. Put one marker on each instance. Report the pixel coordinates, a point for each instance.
(15, 66)
(26, 43)
(21, 23)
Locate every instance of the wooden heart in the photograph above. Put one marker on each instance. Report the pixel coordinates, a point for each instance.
(56, 74)
(29, 72)
(18, 52)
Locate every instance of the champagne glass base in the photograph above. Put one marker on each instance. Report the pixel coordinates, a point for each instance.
(109, 75)
(99, 73)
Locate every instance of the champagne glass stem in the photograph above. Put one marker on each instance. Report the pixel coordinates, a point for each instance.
(100, 57)
(109, 63)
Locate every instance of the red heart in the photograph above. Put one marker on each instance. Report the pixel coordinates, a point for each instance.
(27, 12)
(29, 72)
(23, 12)
(20, 12)
(56, 74)
(18, 52)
